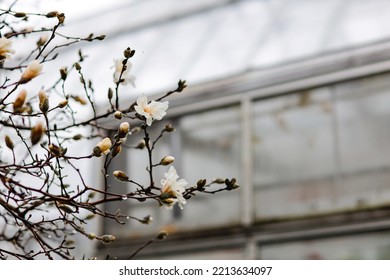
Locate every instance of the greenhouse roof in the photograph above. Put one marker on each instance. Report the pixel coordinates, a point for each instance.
(205, 40)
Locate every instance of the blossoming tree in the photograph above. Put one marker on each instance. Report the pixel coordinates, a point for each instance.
(40, 208)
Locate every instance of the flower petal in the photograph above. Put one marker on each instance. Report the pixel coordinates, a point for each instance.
(149, 121)
(142, 101)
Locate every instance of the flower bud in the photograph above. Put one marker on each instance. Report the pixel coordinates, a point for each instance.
(118, 115)
(167, 160)
(110, 93)
(63, 73)
(101, 37)
(141, 144)
(19, 101)
(96, 151)
(123, 129)
(121, 175)
(90, 217)
(169, 128)
(57, 151)
(77, 137)
(103, 147)
(20, 15)
(52, 14)
(28, 109)
(80, 100)
(63, 103)
(91, 235)
(135, 129)
(90, 37)
(219, 181)
(69, 243)
(181, 85)
(116, 149)
(65, 208)
(32, 70)
(9, 142)
(231, 184)
(147, 220)
(61, 18)
(42, 40)
(108, 238)
(43, 102)
(91, 195)
(200, 184)
(77, 66)
(37, 133)
(162, 235)
(128, 53)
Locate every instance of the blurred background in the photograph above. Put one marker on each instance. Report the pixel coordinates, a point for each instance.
(292, 98)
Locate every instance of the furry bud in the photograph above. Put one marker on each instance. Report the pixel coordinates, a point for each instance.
(108, 238)
(37, 132)
(19, 101)
(43, 102)
(121, 175)
(9, 142)
(103, 147)
(123, 129)
(167, 160)
(32, 70)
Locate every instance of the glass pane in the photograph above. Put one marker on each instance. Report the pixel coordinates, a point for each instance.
(323, 150)
(211, 149)
(294, 152)
(363, 110)
(211, 144)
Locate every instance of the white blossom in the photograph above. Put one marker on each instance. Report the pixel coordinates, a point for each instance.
(151, 111)
(126, 77)
(172, 190)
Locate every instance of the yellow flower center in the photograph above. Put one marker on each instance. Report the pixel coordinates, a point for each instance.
(148, 110)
